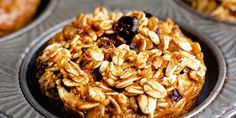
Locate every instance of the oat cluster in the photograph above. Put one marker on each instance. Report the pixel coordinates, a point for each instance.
(221, 9)
(122, 65)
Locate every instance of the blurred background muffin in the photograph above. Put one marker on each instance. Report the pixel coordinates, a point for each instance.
(14, 14)
(224, 10)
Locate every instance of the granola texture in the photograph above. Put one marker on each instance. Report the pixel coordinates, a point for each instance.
(224, 10)
(122, 65)
(14, 14)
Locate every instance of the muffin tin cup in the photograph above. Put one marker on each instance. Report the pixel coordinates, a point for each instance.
(44, 10)
(203, 15)
(213, 59)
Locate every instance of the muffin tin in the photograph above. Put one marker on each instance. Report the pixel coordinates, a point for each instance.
(28, 82)
(18, 54)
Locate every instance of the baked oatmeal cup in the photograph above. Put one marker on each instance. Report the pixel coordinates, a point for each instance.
(223, 10)
(122, 65)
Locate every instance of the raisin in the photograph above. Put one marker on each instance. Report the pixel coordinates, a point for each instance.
(114, 39)
(175, 95)
(105, 42)
(97, 74)
(148, 15)
(126, 27)
(82, 64)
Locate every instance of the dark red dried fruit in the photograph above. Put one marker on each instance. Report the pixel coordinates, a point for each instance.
(175, 95)
(113, 38)
(148, 15)
(105, 42)
(126, 27)
(98, 76)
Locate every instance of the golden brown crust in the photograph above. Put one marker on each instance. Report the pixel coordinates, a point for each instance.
(15, 14)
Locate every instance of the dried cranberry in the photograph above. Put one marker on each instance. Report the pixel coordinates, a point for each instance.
(126, 27)
(175, 95)
(148, 15)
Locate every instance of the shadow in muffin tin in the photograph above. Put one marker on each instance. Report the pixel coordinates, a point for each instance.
(213, 58)
(44, 10)
(203, 15)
